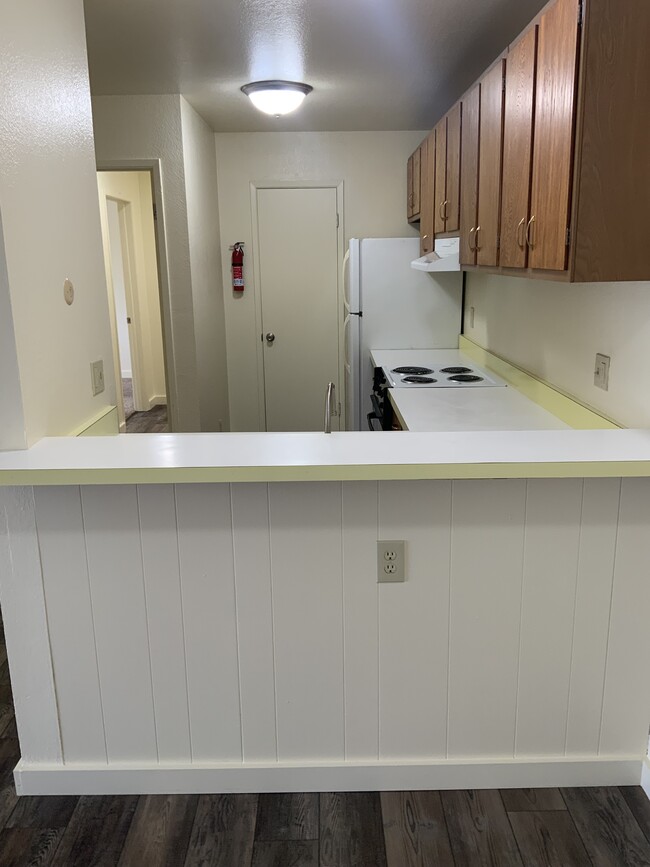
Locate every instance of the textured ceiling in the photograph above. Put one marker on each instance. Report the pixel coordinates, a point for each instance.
(374, 64)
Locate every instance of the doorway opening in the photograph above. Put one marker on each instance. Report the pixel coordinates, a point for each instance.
(298, 251)
(128, 217)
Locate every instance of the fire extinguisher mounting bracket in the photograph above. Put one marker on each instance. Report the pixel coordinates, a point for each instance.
(236, 245)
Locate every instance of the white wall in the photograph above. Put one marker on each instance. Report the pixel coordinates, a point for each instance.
(372, 166)
(12, 418)
(554, 330)
(205, 263)
(50, 216)
(131, 128)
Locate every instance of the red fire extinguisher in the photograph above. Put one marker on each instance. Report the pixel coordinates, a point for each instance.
(237, 262)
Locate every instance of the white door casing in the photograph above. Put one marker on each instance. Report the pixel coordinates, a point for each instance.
(298, 250)
(141, 284)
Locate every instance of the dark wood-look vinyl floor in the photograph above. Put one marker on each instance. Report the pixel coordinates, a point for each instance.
(597, 827)
(153, 421)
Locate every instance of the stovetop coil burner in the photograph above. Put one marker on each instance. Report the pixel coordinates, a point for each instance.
(465, 377)
(456, 370)
(413, 371)
(419, 380)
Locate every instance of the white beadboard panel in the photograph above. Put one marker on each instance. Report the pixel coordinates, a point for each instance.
(553, 515)
(157, 508)
(209, 610)
(26, 629)
(306, 569)
(251, 543)
(360, 604)
(626, 701)
(118, 604)
(486, 576)
(413, 621)
(69, 613)
(593, 599)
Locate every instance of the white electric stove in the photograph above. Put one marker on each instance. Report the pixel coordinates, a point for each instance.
(432, 368)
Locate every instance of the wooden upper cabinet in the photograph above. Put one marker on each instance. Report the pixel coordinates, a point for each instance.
(469, 175)
(552, 158)
(427, 200)
(409, 188)
(557, 56)
(517, 150)
(413, 186)
(452, 200)
(486, 238)
(440, 175)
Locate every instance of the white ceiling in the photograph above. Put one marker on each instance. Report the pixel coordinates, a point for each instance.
(374, 64)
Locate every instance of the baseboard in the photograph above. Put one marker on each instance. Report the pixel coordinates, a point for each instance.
(105, 423)
(645, 776)
(124, 779)
(157, 400)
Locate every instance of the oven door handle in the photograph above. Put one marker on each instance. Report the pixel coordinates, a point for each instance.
(370, 417)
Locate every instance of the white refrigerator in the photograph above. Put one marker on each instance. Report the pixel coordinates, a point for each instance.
(389, 305)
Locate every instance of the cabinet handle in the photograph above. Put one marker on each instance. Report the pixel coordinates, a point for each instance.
(529, 240)
(444, 210)
(441, 211)
(472, 231)
(521, 233)
(477, 246)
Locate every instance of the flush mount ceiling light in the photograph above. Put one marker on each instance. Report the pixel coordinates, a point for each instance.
(276, 97)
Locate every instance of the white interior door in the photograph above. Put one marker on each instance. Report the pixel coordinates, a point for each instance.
(298, 268)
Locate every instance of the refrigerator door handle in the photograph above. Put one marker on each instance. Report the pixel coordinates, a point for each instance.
(346, 282)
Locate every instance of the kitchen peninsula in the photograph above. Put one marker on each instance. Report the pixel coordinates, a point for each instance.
(201, 613)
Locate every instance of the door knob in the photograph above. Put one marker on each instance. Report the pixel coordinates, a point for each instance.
(270, 337)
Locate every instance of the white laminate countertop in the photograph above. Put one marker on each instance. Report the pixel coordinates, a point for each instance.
(271, 457)
(470, 409)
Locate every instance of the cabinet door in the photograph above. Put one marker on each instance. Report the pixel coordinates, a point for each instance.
(517, 150)
(452, 205)
(427, 200)
(557, 52)
(409, 188)
(471, 112)
(490, 161)
(417, 183)
(440, 175)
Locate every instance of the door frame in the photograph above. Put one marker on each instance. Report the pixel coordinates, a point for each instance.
(257, 289)
(153, 166)
(126, 242)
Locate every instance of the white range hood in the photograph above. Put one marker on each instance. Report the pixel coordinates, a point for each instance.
(446, 257)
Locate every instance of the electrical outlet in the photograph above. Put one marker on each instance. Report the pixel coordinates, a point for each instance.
(390, 562)
(97, 376)
(601, 372)
(471, 317)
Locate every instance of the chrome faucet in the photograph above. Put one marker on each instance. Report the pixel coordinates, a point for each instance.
(330, 406)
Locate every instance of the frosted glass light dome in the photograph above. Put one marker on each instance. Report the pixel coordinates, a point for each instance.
(276, 97)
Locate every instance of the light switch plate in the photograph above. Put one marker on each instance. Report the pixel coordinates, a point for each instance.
(97, 376)
(390, 562)
(601, 371)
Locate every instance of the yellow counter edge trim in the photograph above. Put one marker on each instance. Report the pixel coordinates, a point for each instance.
(569, 411)
(374, 472)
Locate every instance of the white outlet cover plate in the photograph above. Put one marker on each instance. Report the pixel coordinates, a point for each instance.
(97, 376)
(390, 561)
